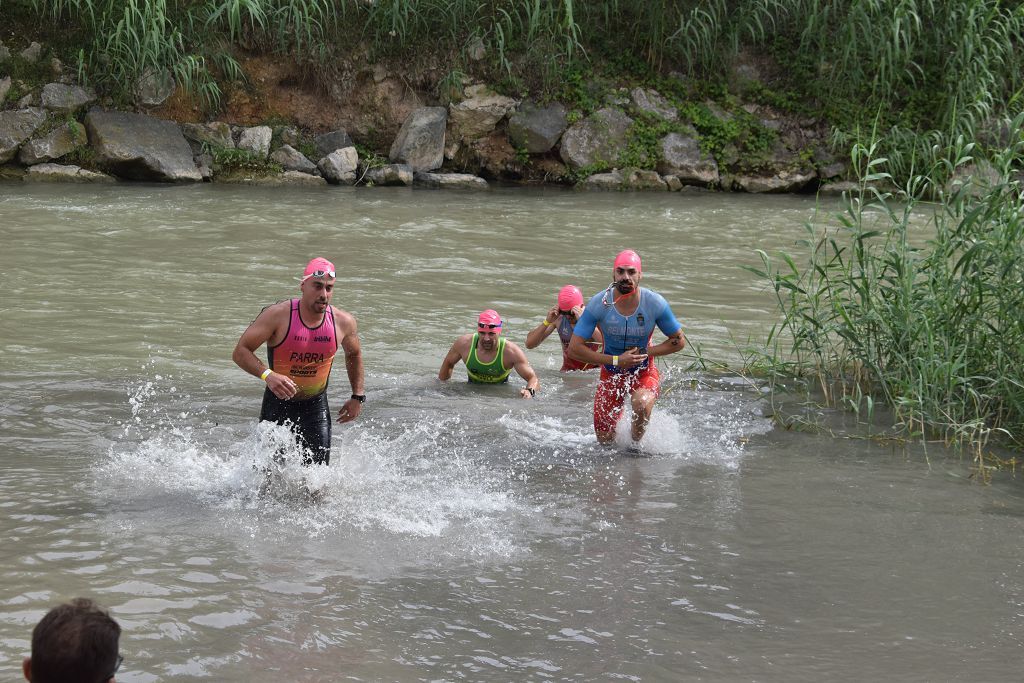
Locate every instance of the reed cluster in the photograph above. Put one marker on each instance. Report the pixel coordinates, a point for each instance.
(919, 305)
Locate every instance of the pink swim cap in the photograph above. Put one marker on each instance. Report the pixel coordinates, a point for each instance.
(489, 320)
(627, 259)
(569, 296)
(318, 267)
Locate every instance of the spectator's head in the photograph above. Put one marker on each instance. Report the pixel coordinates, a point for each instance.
(74, 643)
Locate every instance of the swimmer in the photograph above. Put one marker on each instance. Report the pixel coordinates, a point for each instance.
(627, 314)
(489, 357)
(302, 336)
(563, 317)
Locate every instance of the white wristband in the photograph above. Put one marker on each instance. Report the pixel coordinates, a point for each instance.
(266, 373)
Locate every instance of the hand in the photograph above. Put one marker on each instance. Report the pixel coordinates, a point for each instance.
(525, 393)
(577, 311)
(350, 410)
(281, 386)
(553, 315)
(631, 357)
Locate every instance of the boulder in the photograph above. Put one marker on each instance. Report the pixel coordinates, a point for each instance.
(256, 140)
(53, 145)
(390, 174)
(611, 180)
(827, 166)
(478, 114)
(213, 134)
(60, 173)
(460, 181)
(5, 86)
(292, 159)
(331, 142)
(26, 101)
(641, 179)
(537, 129)
(15, 128)
(339, 167)
(682, 157)
(154, 87)
(597, 138)
(673, 183)
(420, 141)
(66, 98)
(139, 147)
(32, 53)
(651, 102)
(288, 135)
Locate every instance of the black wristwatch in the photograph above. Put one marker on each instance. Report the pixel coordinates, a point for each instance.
(533, 392)
(359, 397)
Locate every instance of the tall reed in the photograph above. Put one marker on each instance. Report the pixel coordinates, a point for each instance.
(919, 305)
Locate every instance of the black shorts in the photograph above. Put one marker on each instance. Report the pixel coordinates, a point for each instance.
(310, 420)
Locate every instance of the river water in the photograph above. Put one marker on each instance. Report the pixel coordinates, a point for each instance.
(466, 534)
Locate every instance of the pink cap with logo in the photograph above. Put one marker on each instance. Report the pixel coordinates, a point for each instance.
(489, 320)
(318, 267)
(568, 297)
(628, 259)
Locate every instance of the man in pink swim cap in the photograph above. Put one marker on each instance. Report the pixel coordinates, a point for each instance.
(562, 317)
(302, 336)
(489, 357)
(627, 314)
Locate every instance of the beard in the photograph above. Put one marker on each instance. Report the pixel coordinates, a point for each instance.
(624, 286)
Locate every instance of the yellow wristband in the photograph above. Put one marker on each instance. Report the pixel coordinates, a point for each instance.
(266, 373)
(546, 323)
(615, 361)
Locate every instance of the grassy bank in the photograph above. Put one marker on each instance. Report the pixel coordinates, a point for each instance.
(927, 318)
(918, 73)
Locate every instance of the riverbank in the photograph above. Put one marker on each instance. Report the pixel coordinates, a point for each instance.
(63, 131)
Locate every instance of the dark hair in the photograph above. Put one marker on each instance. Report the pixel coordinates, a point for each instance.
(74, 643)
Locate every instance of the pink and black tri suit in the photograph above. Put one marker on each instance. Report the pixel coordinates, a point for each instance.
(305, 355)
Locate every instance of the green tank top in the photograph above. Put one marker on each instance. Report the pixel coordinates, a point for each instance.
(491, 373)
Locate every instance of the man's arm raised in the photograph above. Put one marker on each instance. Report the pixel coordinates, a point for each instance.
(259, 332)
(347, 329)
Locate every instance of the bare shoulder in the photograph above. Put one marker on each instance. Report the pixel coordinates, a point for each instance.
(514, 352)
(344, 320)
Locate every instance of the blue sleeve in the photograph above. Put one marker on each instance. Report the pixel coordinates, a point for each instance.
(587, 322)
(666, 320)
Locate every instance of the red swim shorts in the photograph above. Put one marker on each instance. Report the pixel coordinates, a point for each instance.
(613, 389)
